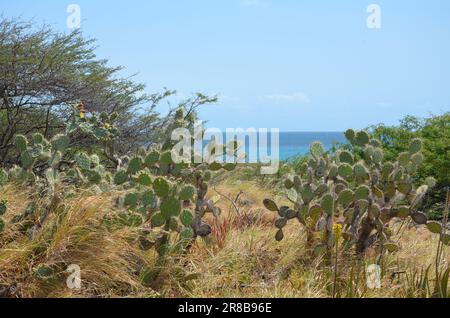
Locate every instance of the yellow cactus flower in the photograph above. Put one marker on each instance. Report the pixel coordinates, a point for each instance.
(337, 229)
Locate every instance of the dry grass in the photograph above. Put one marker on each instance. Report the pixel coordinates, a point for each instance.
(110, 261)
(241, 259)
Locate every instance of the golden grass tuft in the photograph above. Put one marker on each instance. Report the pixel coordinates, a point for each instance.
(241, 259)
(110, 262)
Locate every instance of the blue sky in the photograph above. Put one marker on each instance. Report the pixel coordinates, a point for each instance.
(289, 64)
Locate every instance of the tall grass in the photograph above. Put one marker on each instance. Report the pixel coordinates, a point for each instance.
(240, 259)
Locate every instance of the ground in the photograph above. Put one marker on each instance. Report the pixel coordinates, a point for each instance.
(240, 259)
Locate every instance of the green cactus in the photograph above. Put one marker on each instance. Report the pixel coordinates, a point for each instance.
(3, 177)
(161, 187)
(149, 199)
(83, 161)
(131, 200)
(94, 177)
(135, 165)
(144, 179)
(37, 138)
(158, 220)
(60, 142)
(317, 149)
(21, 142)
(37, 150)
(166, 158)
(43, 272)
(365, 194)
(350, 135)
(152, 158)
(55, 159)
(187, 193)
(186, 218)
(345, 197)
(120, 177)
(270, 205)
(346, 157)
(345, 170)
(170, 206)
(186, 233)
(95, 160)
(362, 138)
(27, 160)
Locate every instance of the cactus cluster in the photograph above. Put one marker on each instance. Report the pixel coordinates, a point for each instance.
(47, 164)
(36, 155)
(357, 189)
(162, 197)
(170, 196)
(41, 158)
(100, 126)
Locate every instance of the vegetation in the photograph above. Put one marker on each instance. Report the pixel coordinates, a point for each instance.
(44, 73)
(92, 183)
(364, 195)
(435, 134)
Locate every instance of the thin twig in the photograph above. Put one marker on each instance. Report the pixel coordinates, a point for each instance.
(233, 202)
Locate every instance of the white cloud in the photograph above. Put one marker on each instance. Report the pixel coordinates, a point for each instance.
(298, 97)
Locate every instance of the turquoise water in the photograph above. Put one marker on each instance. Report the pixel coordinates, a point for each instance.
(292, 144)
(297, 143)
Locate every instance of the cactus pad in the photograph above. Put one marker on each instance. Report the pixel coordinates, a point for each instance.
(170, 206)
(131, 200)
(187, 193)
(152, 158)
(270, 205)
(346, 157)
(83, 161)
(186, 218)
(362, 138)
(135, 165)
(120, 177)
(3, 177)
(37, 138)
(434, 227)
(350, 135)
(60, 142)
(158, 220)
(144, 179)
(161, 187)
(21, 142)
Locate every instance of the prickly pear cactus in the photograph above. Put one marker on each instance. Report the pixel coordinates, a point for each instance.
(358, 189)
(170, 196)
(442, 228)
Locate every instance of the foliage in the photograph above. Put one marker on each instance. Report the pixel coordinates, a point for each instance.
(364, 195)
(164, 200)
(435, 134)
(45, 72)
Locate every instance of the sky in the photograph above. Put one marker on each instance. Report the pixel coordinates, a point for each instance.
(295, 65)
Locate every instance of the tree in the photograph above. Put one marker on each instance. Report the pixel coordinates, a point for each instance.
(435, 133)
(44, 73)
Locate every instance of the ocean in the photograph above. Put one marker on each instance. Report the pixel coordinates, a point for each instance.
(292, 144)
(297, 143)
